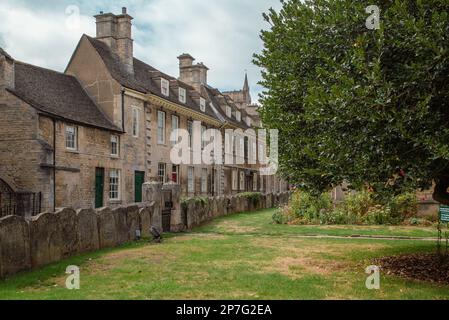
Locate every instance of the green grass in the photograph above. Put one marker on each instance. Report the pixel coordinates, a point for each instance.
(237, 257)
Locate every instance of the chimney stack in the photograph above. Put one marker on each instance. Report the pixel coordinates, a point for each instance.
(116, 32)
(192, 74)
(7, 73)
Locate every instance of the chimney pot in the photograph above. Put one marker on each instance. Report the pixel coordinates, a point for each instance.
(124, 10)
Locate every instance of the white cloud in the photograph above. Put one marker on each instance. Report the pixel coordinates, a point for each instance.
(223, 34)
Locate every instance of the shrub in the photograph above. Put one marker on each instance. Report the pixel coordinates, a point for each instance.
(196, 200)
(357, 208)
(254, 197)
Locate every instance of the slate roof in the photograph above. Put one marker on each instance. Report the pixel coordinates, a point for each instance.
(145, 81)
(58, 95)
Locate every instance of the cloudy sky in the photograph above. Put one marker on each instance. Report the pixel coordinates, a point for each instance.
(223, 34)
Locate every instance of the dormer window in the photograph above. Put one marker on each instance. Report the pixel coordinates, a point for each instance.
(182, 95)
(228, 112)
(165, 87)
(238, 116)
(249, 122)
(203, 104)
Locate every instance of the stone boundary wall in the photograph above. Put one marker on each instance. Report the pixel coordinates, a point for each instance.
(196, 212)
(52, 237)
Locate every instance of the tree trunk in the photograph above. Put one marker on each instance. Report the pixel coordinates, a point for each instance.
(440, 193)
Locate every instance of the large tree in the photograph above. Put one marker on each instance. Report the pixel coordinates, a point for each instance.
(367, 107)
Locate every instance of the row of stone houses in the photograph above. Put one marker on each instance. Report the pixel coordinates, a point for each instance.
(91, 136)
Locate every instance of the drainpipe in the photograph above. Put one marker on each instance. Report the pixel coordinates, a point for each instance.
(123, 110)
(54, 165)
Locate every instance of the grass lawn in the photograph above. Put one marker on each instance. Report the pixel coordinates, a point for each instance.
(237, 257)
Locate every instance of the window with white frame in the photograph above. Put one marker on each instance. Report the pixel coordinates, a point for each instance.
(161, 172)
(71, 137)
(161, 127)
(190, 131)
(204, 181)
(242, 181)
(238, 116)
(115, 145)
(255, 182)
(228, 112)
(203, 104)
(235, 180)
(165, 87)
(191, 180)
(135, 123)
(114, 184)
(175, 127)
(182, 95)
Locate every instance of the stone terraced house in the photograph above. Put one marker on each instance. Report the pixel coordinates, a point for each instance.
(91, 136)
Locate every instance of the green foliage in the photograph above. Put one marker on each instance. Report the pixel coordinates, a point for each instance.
(357, 209)
(357, 105)
(196, 200)
(252, 196)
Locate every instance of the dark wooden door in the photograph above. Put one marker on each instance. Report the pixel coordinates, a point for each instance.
(99, 187)
(139, 180)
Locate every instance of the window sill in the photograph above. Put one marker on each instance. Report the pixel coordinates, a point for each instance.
(72, 151)
(115, 156)
(115, 201)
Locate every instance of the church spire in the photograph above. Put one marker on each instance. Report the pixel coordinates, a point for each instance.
(246, 84)
(246, 90)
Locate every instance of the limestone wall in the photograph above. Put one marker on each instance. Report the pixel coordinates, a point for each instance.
(52, 237)
(196, 211)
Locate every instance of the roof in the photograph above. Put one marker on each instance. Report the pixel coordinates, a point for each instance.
(4, 53)
(58, 95)
(145, 78)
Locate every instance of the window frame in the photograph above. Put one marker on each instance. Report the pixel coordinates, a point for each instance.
(235, 180)
(228, 111)
(135, 122)
(242, 181)
(238, 116)
(173, 117)
(162, 168)
(176, 169)
(165, 85)
(190, 131)
(75, 137)
(182, 95)
(117, 145)
(161, 130)
(117, 184)
(202, 104)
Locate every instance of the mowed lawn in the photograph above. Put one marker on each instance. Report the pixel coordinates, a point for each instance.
(242, 256)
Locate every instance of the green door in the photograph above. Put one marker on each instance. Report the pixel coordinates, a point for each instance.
(99, 187)
(139, 180)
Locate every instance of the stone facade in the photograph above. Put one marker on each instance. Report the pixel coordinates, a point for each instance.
(128, 97)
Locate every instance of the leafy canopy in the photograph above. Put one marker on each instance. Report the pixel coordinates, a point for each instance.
(358, 105)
